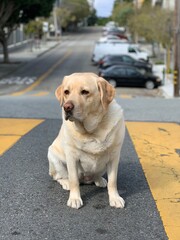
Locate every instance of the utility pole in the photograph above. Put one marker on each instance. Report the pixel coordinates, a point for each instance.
(177, 50)
(135, 12)
(55, 19)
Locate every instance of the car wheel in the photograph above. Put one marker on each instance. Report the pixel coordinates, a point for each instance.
(149, 85)
(112, 82)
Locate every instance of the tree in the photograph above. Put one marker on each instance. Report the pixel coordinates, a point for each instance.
(14, 12)
(92, 19)
(122, 12)
(34, 29)
(72, 12)
(63, 16)
(154, 24)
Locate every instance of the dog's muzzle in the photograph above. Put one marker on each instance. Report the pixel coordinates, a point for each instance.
(68, 109)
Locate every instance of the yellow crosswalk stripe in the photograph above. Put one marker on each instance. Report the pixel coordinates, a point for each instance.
(11, 130)
(158, 147)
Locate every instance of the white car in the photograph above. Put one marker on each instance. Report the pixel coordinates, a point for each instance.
(102, 49)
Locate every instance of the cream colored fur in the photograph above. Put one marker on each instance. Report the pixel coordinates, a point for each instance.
(90, 141)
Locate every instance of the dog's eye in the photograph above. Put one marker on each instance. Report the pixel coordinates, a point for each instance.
(66, 92)
(84, 92)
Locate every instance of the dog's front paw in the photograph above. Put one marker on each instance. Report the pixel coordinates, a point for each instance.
(75, 202)
(117, 202)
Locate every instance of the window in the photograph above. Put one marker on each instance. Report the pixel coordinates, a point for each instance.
(118, 72)
(116, 58)
(127, 59)
(131, 50)
(132, 72)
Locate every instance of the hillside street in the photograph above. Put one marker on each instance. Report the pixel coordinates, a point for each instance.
(33, 206)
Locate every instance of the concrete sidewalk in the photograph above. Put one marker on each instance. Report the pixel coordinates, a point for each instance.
(23, 55)
(167, 88)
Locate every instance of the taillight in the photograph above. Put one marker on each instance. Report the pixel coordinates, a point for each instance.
(101, 62)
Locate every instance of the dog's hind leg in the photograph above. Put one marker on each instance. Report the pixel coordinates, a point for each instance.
(64, 183)
(100, 182)
(57, 169)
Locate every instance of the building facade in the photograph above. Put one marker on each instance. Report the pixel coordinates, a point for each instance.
(168, 4)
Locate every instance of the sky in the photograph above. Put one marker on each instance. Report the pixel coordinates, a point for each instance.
(103, 7)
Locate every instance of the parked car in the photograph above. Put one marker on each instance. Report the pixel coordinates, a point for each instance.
(116, 33)
(110, 25)
(102, 49)
(124, 59)
(110, 38)
(128, 76)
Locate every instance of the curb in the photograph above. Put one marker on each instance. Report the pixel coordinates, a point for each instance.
(41, 54)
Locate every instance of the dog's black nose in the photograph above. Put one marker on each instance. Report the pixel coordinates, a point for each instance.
(68, 106)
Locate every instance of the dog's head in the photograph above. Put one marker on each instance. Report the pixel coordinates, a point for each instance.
(84, 94)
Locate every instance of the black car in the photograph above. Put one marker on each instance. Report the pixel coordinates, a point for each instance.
(128, 76)
(123, 59)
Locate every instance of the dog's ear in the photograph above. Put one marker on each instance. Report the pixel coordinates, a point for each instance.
(107, 92)
(59, 94)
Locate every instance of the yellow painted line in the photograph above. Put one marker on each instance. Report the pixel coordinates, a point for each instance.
(158, 146)
(41, 78)
(40, 94)
(126, 96)
(11, 130)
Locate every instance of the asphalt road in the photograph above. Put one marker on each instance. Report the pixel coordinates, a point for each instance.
(32, 205)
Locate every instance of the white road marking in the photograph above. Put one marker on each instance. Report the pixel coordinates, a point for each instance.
(18, 80)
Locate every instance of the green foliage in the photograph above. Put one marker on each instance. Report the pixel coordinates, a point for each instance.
(72, 11)
(14, 12)
(92, 19)
(154, 24)
(64, 16)
(34, 28)
(147, 2)
(38, 8)
(103, 21)
(122, 12)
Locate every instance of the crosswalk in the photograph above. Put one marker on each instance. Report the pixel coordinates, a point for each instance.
(158, 149)
(157, 146)
(11, 130)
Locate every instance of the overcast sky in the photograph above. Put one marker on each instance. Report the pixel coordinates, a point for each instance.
(103, 7)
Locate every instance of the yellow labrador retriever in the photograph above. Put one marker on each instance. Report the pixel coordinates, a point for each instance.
(90, 139)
